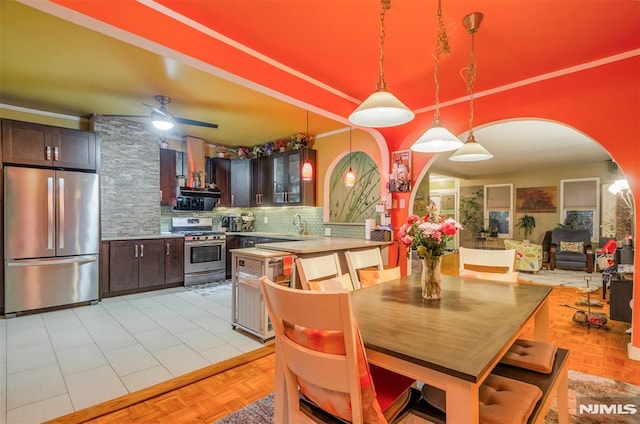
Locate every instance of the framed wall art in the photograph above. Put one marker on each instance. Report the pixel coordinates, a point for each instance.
(400, 177)
(536, 199)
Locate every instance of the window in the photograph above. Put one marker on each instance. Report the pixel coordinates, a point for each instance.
(580, 205)
(498, 209)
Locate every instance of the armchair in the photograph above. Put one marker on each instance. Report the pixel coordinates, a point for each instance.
(528, 255)
(571, 249)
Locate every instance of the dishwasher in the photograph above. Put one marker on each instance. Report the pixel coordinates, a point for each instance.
(248, 310)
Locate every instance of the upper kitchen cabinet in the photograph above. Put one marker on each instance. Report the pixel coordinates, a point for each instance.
(27, 143)
(286, 175)
(168, 177)
(261, 178)
(218, 172)
(241, 183)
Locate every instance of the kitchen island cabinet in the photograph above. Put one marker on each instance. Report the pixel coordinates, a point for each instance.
(135, 265)
(27, 143)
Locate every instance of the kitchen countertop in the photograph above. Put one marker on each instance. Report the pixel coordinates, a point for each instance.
(325, 244)
(259, 253)
(144, 237)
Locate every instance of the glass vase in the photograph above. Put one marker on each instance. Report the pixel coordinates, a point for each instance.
(431, 277)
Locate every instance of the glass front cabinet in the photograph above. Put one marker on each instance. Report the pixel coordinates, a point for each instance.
(288, 186)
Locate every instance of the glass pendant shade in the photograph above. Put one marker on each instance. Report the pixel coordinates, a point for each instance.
(472, 151)
(436, 139)
(350, 178)
(307, 171)
(381, 109)
(161, 122)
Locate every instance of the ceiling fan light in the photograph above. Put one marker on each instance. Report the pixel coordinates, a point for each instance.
(381, 109)
(436, 139)
(472, 151)
(161, 122)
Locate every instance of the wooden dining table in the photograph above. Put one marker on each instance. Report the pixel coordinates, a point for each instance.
(452, 343)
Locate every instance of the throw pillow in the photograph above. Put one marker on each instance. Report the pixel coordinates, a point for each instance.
(572, 246)
(370, 277)
(332, 284)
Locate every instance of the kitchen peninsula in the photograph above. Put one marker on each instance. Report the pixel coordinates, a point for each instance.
(321, 246)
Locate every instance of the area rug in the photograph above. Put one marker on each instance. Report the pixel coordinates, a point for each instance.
(563, 277)
(210, 289)
(616, 399)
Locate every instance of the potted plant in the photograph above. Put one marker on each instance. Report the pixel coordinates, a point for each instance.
(526, 223)
(471, 212)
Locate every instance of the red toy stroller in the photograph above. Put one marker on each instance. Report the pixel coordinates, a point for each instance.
(606, 262)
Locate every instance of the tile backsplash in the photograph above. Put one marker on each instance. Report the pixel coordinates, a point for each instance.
(278, 220)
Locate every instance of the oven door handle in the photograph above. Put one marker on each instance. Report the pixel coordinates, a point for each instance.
(204, 243)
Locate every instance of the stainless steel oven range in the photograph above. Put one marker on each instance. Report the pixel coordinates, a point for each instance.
(204, 250)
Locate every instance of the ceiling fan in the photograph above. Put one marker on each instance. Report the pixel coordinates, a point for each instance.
(164, 120)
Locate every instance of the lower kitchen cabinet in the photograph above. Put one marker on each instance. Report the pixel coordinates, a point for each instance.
(134, 265)
(174, 261)
(151, 263)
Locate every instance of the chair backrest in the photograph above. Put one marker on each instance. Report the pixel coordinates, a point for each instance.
(568, 235)
(359, 259)
(319, 349)
(317, 268)
(484, 264)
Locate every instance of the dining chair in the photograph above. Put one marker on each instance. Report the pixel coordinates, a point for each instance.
(497, 265)
(321, 364)
(318, 268)
(366, 268)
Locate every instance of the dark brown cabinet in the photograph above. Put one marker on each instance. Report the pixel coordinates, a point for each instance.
(174, 261)
(218, 172)
(168, 177)
(151, 259)
(27, 143)
(288, 187)
(241, 183)
(260, 179)
(141, 264)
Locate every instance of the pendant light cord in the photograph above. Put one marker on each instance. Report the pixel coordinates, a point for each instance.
(384, 6)
(442, 49)
(468, 74)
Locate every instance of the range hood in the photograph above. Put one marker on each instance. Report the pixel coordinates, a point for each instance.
(195, 157)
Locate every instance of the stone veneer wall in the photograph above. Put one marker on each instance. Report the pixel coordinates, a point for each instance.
(129, 178)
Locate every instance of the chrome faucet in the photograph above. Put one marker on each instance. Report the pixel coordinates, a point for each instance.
(299, 222)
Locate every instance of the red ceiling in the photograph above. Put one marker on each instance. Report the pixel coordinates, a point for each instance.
(336, 42)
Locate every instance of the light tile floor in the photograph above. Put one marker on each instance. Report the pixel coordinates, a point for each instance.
(55, 363)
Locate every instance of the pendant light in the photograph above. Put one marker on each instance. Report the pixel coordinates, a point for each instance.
(350, 177)
(381, 109)
(307, 168)
(472, 150)
(438, 138)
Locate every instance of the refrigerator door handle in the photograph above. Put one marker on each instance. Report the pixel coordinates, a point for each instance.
(45, 262)
(50, 212)
(60, 213)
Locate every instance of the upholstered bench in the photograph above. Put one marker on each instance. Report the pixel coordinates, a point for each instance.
(553, 383)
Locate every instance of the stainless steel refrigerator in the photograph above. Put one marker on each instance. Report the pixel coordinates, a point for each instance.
(51, 238)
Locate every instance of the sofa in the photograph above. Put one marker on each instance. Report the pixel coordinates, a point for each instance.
(528, 255)
(571, 249)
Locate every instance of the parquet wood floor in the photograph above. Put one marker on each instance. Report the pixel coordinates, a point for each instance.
(593, 351)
